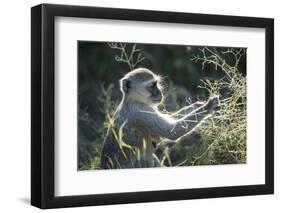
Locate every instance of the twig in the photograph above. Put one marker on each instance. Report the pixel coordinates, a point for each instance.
(132, 57)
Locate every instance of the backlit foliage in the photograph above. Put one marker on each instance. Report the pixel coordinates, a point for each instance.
(220, 140)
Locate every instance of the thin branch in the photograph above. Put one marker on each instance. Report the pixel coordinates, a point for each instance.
(130, 56)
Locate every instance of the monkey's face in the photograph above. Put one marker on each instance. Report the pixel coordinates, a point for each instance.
(142, 86)
(155, 94)
(147, 92)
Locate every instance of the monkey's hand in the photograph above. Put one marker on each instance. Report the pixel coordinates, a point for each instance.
(212, 103)
(198, 104)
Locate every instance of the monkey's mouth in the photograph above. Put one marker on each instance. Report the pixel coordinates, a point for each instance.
(157, 99)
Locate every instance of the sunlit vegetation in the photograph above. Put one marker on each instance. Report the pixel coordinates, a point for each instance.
(208, 71)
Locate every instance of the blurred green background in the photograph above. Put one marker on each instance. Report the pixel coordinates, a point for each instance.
(98, 94)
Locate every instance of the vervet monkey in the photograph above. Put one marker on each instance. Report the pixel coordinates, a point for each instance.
(139, 123)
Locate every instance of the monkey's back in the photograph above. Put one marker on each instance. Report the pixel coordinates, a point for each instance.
(124, 143)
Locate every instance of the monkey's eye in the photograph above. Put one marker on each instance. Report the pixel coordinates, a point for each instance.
(153, 85)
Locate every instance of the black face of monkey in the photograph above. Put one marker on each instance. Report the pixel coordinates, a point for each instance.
(155, 92)
(141, 86)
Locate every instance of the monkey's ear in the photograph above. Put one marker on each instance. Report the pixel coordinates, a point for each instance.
(125, 85)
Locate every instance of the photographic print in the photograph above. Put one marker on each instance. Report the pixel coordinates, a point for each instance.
(158, 105)
(118, 94)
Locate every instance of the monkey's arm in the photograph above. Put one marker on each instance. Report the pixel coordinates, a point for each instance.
(162, 125)
(187, 109)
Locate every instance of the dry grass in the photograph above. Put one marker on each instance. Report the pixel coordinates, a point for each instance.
(223, 137)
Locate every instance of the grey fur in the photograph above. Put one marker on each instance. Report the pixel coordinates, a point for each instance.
(142, 123)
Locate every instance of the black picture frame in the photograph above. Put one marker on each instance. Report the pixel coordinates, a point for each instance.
(43, 102)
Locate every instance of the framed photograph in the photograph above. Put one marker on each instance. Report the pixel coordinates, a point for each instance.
(141, 106)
